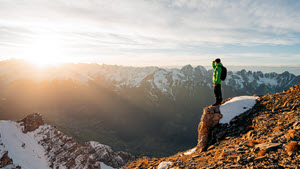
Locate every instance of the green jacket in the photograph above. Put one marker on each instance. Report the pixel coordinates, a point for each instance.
(217, 73)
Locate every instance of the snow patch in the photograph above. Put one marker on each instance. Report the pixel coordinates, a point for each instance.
(236, 106)
(103, 166)
(268, 81)
(22, 148)
(160, 80)
(164, 165)
(191, 151)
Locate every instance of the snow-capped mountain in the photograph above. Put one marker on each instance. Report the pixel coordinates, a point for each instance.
(164, 80)
(31, 144)
(124, 103)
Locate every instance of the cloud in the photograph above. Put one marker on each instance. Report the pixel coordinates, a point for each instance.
(242, 22)
(149, 27)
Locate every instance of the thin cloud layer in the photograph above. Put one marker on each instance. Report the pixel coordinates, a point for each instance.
(120, 31)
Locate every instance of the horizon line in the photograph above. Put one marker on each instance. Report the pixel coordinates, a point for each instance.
(160, 65)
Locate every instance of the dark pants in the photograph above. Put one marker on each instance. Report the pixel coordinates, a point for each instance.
(218, 93)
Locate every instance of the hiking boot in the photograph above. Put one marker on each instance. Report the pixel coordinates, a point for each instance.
(220, 100)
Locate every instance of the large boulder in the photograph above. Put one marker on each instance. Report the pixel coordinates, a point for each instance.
(210, 118)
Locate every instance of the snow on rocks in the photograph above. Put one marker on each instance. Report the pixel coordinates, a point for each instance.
(236, 106)
(164, 165)
(191, 151)
(22, 148)
(42, 146)
(213, 115)
(161, 81)
(126, 75)
(106, 155)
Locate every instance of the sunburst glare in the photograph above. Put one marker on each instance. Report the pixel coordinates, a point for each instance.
(45, 50)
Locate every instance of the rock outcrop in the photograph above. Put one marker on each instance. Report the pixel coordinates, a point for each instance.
(31, 122)
(105, 154)
(63, 151)
(266, 136)
(210, 118)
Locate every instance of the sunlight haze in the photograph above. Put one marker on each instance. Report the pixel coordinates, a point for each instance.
(140, 84)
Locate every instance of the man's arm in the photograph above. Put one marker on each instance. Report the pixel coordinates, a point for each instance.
(218, 75)
(213, 64)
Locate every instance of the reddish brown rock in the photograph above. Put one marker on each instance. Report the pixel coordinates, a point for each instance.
(210, 118)
(5, 160)
(32, 122)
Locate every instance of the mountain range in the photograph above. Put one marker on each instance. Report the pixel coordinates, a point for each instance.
(141, 110)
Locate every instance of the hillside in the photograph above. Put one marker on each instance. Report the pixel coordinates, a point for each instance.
(31, 144)
(140, 110)
(266, 136)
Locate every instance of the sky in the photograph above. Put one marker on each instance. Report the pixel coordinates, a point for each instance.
(152, 32)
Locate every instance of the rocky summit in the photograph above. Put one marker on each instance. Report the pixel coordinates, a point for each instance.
(266, 136)
(29, 143)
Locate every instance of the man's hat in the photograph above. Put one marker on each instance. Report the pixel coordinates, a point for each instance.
(218, 60)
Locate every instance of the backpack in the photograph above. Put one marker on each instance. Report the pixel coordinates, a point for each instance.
(223, 73)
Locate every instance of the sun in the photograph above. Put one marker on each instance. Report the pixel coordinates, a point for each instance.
(45, 50)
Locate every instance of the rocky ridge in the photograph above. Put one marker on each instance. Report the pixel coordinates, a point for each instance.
(63, 151)
(266, 136)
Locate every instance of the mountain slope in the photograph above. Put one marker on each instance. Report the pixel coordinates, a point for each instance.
(22, 148)
(31, 144)
(139, 110)
(266, 136)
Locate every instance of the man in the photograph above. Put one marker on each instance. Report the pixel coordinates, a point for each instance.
(216, 64)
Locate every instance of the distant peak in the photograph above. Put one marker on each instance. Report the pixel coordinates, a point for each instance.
(285, 73)
(202, 68)
(187, 68)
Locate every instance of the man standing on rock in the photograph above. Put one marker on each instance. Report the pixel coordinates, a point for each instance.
(217, 66)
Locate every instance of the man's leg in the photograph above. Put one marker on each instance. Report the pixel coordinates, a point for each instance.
(216, 94)
(219, 93)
